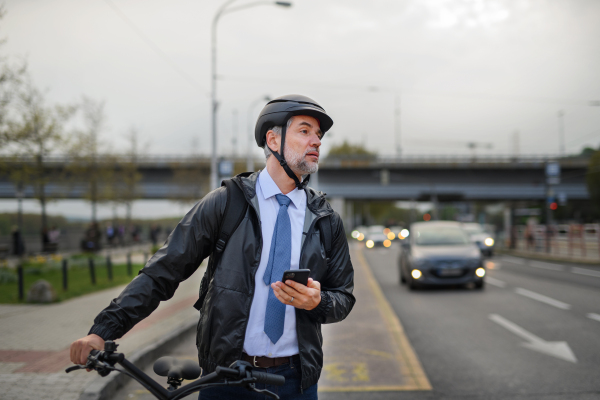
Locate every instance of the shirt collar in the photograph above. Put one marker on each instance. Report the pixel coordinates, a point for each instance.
(269, 189)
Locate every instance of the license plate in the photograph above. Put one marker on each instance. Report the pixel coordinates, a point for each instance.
(450, 271)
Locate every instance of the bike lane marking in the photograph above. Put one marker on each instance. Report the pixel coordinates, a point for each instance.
(369, 351)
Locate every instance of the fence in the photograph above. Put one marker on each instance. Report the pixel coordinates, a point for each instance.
(576, 241)
(68, 276)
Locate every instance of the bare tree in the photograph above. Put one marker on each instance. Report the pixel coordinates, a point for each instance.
(129, 175)
(33, 134)
(92, 161)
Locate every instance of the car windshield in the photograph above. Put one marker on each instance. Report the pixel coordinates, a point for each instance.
(473, 229)
(441, 236)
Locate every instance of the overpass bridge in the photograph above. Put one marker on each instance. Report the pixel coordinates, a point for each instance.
(441, 178)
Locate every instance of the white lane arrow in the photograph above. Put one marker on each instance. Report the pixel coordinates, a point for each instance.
(555, 349)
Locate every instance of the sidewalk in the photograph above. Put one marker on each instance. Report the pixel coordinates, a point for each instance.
(369, 351)
(35, 340)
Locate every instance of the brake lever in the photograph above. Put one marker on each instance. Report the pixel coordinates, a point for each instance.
(264, 391)
(74, 368)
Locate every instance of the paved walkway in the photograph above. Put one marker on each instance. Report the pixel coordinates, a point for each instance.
(35, 340)
(369, 351)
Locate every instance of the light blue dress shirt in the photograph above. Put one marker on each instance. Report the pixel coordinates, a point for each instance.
(257, 343)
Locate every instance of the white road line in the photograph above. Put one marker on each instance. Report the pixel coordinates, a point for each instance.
(543, 299)
(555, 349)
(593, 316)
(585, 271)
(548, 266)
(515, 260)
(495, 282)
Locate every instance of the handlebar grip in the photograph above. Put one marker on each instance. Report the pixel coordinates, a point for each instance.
(111, 357)
(269, 379)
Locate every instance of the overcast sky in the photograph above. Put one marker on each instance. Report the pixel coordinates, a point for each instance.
(463, 70)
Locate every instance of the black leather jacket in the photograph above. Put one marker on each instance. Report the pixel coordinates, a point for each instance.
(226, 308)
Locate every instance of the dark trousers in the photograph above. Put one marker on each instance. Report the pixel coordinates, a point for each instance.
(289, 391)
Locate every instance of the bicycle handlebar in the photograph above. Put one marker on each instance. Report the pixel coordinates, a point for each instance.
(261, 377)
(240, 373)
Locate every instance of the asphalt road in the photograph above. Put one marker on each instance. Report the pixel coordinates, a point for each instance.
(532, 333)
(470, 342)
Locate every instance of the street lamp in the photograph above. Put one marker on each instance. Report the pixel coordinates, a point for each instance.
(249, 162)
(214, 105)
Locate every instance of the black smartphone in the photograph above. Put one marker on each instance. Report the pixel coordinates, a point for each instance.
(296, 275)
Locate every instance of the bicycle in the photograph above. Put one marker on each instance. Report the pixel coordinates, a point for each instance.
(240, 373)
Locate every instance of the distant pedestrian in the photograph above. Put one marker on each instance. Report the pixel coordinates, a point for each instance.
(18, 245)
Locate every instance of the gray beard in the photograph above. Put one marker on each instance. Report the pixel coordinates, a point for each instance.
(298, 162)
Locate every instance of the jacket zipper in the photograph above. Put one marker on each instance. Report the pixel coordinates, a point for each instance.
(310, 229)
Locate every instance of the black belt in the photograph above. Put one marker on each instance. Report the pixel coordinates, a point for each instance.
(267, 362)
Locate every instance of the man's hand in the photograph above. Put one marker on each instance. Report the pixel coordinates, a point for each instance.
(80, 349)
(305, 297)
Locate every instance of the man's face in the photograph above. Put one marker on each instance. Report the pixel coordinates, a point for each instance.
(302, 143)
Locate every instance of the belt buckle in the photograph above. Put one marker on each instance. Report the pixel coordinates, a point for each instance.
(254, 362)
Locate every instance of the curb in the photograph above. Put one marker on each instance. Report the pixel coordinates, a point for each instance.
(105, 388)
(547, 257)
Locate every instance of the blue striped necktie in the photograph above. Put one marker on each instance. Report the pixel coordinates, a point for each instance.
(280, 257)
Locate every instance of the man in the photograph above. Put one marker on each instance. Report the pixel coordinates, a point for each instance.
(247, 313)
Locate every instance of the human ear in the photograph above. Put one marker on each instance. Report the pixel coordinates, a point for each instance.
(272, 140)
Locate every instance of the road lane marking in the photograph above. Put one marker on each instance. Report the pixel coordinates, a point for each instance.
(586, 272)
(594, 316)
(515, 260)
(547, 266)
(495, 282)
(555, 349)
(543, 299)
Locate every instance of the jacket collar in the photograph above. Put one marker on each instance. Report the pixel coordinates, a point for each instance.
(315, 200)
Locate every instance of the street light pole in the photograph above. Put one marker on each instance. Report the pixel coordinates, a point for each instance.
(561, 131)
(214, 103)
(249, 161)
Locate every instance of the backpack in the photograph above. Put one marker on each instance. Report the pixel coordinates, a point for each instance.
(235, 210)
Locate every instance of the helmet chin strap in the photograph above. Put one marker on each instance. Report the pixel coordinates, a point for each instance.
(279, 156)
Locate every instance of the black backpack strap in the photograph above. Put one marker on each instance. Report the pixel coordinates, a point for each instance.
(326, 235)
(235, 210)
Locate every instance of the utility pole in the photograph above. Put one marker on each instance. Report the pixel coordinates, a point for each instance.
(397, 124)
(234, 133)
(561, 131)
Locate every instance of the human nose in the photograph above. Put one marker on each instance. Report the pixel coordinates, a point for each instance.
(315, 141)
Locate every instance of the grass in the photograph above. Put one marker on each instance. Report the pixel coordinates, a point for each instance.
(79, 281)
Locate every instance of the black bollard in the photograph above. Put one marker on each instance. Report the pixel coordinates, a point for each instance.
(92, 270)
(21, 283)
(65, 275)
(129, 272)
(109, 268)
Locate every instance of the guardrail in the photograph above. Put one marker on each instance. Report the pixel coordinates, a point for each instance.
(563, 240)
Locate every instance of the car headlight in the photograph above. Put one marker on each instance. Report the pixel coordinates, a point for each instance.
(370, 244)
(489, 242)
(480, 272)
(415, 273)
(355, 234)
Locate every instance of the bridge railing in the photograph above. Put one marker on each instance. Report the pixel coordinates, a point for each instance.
(349, 161)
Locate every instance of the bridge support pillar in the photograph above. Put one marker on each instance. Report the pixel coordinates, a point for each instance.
(344, 208)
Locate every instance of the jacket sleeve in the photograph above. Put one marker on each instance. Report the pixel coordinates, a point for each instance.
(337, 285)
(190, 242)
